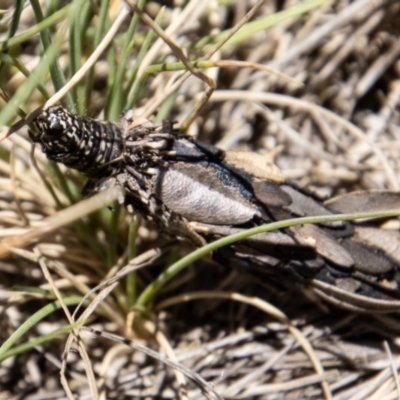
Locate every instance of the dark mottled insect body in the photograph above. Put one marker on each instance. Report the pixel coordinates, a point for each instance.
(85, 144)
(199, 193)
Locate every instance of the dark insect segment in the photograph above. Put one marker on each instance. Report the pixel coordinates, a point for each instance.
(85, 144)
(199, 193)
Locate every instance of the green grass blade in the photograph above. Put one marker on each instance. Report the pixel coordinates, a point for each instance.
(157, 68)
(101, 26)
(34, 319)
(113, 235)
(24, 347)
(23, 93)
(15, 62)
(14, 24)
(111, 72)
(165, 109)
(142, 52)
(261, 24)
(63, 183)
(15, 19)
(151, 291)
(56, 73)
(77, 40)
(115, 102)
(37, 28)
(131, 279)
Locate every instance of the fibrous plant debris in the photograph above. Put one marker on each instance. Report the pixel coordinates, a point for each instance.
(339, 133)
